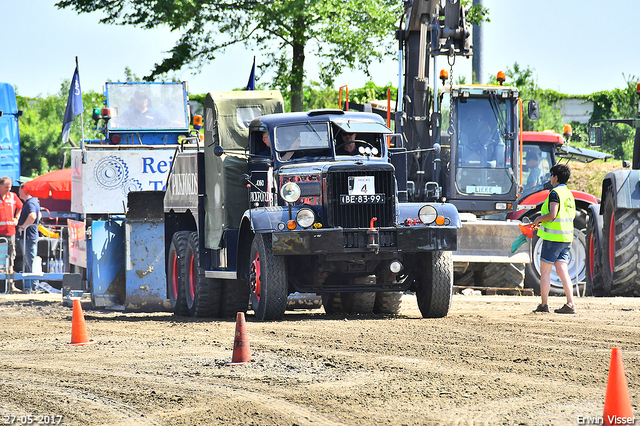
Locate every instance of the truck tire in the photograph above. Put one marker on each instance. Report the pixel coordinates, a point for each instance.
(234, 298)
(435, 284)
(332, 303)
(620, 250)
(358, 303)
(177, 273)
(202, 294)
(577, 261)
(388, 302)
(595, 283)
(268, 281)
(503, 275)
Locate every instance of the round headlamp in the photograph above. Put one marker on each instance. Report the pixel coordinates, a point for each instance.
(290, 192)
(305, 218)
(427, 214)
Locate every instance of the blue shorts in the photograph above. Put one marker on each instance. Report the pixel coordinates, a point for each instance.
(554, 251)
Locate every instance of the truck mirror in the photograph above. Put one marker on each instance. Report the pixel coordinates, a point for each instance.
(595, 136)
(1, 113)
(218, 151)
(533, 110)
(20, 113)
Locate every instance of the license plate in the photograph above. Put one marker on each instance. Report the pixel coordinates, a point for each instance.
(362, 199)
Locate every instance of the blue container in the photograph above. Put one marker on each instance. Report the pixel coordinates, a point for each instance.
(9, 134)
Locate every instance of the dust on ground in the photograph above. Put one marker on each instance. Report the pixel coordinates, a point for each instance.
(491, 361)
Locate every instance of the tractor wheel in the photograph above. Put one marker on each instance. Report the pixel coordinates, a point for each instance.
(177, 273)
(203, 294)
(620, 250)
(435, 284)
(577, 266)
(332, 303)
(595, 284)
(268, 280)
(503, 275)
(388, 302)
(358, 303)
(234, 298)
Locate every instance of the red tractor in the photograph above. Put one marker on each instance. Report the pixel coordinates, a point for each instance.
(541, 151)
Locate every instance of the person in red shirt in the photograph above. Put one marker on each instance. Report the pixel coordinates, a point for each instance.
(10, 207)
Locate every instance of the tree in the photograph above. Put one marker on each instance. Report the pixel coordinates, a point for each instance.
(341, 33)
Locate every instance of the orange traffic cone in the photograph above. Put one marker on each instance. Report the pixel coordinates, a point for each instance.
(617, 404)
(79, 334)
(241, 351)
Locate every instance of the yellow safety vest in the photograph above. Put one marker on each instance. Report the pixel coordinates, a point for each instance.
(561, 228)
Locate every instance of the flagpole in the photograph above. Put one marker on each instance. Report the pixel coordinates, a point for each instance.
(81, 118)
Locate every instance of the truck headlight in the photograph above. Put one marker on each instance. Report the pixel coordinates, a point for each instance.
(290, 192)
(305, 218)
(427, 214)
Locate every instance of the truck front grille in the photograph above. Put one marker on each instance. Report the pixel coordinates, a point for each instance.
(359, 215)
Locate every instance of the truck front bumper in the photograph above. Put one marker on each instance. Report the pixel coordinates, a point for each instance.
(388, 240)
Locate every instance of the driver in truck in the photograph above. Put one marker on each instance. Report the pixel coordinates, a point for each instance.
(348, 145)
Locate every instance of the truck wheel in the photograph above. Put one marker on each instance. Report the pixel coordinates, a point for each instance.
(332, 303)
(177, 272)
(435, 284)
(620, 253)
(203, 294)
(358, 303)
(595, 284)
(503, 275)
(268, 280)
(577, 264)
(388, 302)
(234, 299)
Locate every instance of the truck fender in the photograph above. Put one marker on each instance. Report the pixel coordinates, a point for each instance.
(534, 202)
(625, 189)
(412, 210)
(267, 219)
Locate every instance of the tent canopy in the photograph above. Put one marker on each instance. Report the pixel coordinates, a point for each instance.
(56, 184)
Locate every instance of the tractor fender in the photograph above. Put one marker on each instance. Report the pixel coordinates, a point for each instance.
(626, 189)
(534, 202)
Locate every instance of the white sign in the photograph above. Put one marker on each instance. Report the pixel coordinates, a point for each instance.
(471, 189)
(362, 185)
(101, 184)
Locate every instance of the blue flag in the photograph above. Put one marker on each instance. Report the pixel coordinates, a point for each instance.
(251, 85)
(74, 105)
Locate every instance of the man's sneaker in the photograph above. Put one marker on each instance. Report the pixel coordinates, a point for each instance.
(566, 309)
(542, 308)
(15, 289)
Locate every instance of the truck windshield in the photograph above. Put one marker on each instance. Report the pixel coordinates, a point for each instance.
(301, 138)
(147, 106)
(483, 149)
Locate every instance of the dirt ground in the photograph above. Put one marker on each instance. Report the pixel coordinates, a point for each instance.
(491, 361)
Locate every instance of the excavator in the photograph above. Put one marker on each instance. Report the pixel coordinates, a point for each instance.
(460, 143)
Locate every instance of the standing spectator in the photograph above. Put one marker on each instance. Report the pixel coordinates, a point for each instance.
(555, 227)
(10, 207)
(28, 221)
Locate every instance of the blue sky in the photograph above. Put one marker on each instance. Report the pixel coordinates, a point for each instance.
(574, 46)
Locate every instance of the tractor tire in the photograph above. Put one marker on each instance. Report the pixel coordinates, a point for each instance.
(503, 275)
(358, 303)
(388, 302)
(203, 294)
(332, 303)
(577, 263)
(435, 284)
(234, 298)
(268, 280)
(620, 249)
(595, 281)
(177, 273)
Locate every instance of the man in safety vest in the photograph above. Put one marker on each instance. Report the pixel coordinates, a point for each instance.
(10, 207)
(555, 227)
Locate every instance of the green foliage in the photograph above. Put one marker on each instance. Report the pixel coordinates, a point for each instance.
(41, 129)
(340, 33)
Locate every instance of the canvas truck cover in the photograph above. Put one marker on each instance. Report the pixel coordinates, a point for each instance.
(9, 134)
(226, 123)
